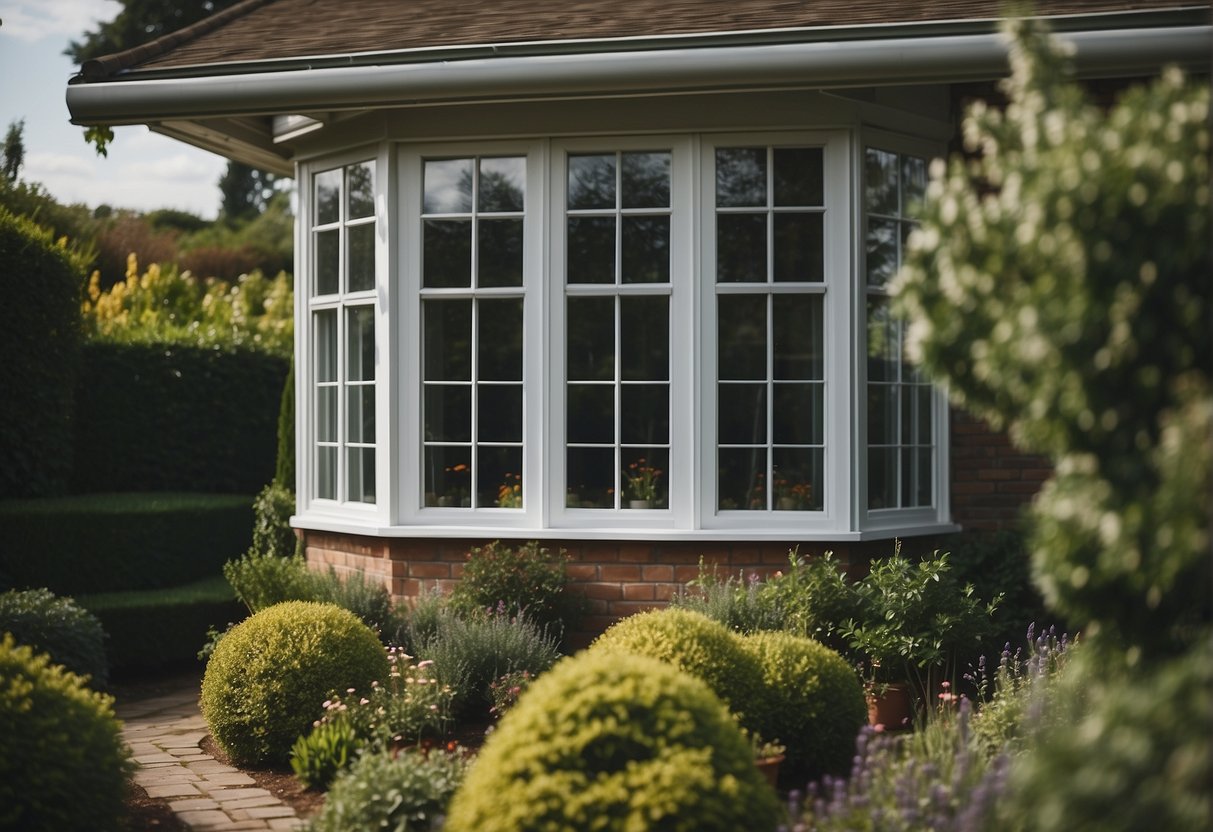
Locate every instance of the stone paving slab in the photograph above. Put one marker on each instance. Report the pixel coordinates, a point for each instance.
(164, 735)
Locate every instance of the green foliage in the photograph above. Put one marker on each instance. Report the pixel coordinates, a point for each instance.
(175, 418)
(602, 742)
(999, 564)
(272, 532)
(64, 764)
(72, 223)
(418, 620)
(267, 678)
(812, 598)
(526, 579)
(12, 154)
(40, 338)
(812, 700)
(103, 542)
(71, 635)
(1059, 286)
(139, 22)
(245, 190)
(405, 793)
(691, 642)
(158, 628)
(284, 464)
(736, 602)
(318, 755)
(472, 652)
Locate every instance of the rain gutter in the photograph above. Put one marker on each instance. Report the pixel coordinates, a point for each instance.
(648, 71)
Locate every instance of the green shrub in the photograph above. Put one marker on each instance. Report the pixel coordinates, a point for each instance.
(113, 542)
(704, 648)
(528, 578)
(812, 598)
(157, 628)
(407, 793)
(40, 337)
(318, 755)
(71, 635)
(419, 620)
(272, 532)
(471, 653)
(734, 601)
(600, 743)
(267, 678)
(284, 463)
(64, 764)
(364, 596)
(812, 701)
(156, 417)
(999, 564)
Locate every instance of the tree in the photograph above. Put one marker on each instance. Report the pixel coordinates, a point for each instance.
(141, 21)
(14, 150)
(246, 191)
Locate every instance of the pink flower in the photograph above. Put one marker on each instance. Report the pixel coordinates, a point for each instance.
(364, 701)
(425, 663)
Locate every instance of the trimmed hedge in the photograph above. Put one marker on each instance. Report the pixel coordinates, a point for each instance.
(40, 341)
(103, 542)
(175, 418)
(149, 629)
(59, 627)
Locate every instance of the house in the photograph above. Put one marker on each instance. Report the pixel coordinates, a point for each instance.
(612, 276)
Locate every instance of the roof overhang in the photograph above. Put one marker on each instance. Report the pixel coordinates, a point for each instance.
(233, 112)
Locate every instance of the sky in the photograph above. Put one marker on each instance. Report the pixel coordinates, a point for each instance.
(143, 171)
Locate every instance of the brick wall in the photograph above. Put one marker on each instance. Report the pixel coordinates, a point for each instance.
(992, 481)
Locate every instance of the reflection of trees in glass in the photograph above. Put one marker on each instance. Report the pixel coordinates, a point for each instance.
(645, 252)
(591, 182)
(741, 176)
(360, 180)
(501, 185)
(646, 180)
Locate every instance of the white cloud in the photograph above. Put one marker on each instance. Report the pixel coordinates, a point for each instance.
(181, 167)
(40, 165)
(33, 20)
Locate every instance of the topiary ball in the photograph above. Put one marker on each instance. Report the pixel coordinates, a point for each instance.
(64, 764)
(813, 702)
(695, 643)
(608, 744)
(268, 678)
(69, 633)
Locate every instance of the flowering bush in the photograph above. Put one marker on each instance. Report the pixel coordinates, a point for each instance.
(506, 690)
(643, 480)
(528, 579)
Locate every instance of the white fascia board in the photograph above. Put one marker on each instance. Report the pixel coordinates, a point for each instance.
(823, 64)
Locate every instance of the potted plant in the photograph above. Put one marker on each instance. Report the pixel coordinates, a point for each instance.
(642, 480)
(768, 755)
(914, 624)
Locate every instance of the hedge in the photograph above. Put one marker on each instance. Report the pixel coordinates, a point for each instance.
(176, 418)
(103, 542)
(40, 341)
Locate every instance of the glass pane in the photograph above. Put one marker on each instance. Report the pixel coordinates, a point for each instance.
(644, 416)
(799, 253)
(447, 254)
(645, 478)
(924, 399)
(881, 246)
(742, 347)
(799, 336)
(448, 413)
(326, 473)
(499, 261)
(741, 176)
(799, 478)
(798, 415)
(591, 250)
(882, 414)
(884, 342)
(645, 338)
(328, 196)
(500, 342)
(917, 477)
(913, 184)
(741, 479)
(360, 413)
(882, 478)
(361, 474)
(591, 413)
(360, 343)
(326, 414)
(646, 180)
(360, 245)
(500, 409)
(880, 181)
(499, 478)
(591, 182)
(328, 262)
(448, 340)
(326, 344)
(591, 478)
(742, 414)
(448, 187)
(502, 184)
(361, 183)
(741, 248)
(646, 249)
(448, 477)
(798, 176)
(591, 339)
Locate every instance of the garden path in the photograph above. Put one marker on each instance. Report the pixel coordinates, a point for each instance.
(164, 734)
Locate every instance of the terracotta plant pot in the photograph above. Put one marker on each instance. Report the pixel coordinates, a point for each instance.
(769, 766)
(892, 707)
